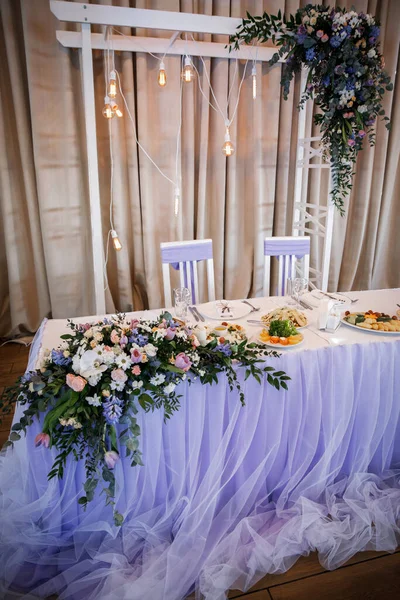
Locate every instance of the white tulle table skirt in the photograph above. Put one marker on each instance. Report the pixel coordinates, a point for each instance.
(226, 493)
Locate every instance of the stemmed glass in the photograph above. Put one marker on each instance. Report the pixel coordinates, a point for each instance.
(300, 285)
(181, 302)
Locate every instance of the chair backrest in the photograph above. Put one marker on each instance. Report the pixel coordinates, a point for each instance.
(184, 257)
(288, 250)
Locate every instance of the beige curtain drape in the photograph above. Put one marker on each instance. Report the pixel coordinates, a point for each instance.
(45, 251)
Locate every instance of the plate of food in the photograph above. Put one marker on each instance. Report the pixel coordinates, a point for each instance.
(297, 318)
(281, 334)
(372, 321)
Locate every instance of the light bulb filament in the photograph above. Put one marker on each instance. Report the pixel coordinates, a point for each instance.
(112, 87)
(116, 242)
(162, 75)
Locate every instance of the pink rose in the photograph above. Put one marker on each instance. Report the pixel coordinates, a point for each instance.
(325, 38)
(183, 362)
(351, 142)
(136, 370)
(361, 133)
(114, 337)
(134, 323)
(170, 334)
(119, 375)
(136, 355)
(76, 382)
(195, 341)
(111, 458)
(320, 33)
(42, 439)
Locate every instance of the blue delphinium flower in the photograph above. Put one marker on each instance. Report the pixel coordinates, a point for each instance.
(335, 41)
(326, 80)
(141, 340)
(375, 31)
(58, 358)
(310, 54)
(112, 410)
(224, 349)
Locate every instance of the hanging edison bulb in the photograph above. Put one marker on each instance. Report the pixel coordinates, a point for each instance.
(162, 75)
(116, 243)
(108, 112)
(116, 110)
(188, 71)
(112, 85)
(228, 148)
(254, 78)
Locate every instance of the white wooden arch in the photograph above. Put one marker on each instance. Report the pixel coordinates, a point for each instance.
(93, 14)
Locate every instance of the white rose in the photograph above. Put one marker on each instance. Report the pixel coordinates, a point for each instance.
(150, 350)
(88, 333)
(371, 53)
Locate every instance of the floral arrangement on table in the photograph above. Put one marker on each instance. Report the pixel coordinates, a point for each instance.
(345, 76)
(92, 386)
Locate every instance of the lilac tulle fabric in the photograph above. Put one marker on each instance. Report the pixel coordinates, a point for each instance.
(227, 493)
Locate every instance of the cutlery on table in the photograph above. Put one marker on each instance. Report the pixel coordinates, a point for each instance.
(303, 303)
(253, 308)
(199, 315)
(193, 313)
(254, 322)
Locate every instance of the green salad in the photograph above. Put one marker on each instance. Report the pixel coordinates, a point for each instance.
(282, 328)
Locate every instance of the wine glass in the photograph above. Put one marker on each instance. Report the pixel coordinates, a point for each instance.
(300, 285)
(181, 302)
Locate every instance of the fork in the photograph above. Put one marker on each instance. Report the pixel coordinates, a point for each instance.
(253, 308)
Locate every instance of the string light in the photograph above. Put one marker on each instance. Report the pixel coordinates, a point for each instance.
(228, 148)
(162, 76)
(108, 112)
(116, 242)
(254, 78)
(116, 110)
(188, 72)
(112, 88)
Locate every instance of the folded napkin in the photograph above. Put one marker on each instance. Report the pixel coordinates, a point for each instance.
(224, 309)
(324, 309)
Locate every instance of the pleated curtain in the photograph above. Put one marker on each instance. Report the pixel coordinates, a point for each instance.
(45, 245)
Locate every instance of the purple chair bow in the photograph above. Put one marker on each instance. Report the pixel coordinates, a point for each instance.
(289, 250)
(184, 256)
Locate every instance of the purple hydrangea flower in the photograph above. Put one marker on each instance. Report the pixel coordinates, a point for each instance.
(141, 340)
(58, 358)
(112, 410)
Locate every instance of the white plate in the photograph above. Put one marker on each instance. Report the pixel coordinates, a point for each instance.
(369, 330)
(280, 346)
(238, 311)
(288, 308)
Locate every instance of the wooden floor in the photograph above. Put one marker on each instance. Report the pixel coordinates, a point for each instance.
(367, 576)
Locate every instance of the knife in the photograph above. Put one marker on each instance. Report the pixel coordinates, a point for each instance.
(198, 314)
(193, 313)
(254, 322)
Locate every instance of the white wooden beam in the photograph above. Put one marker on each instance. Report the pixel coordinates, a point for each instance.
(120, 16)
(72, 39)
(93, 171)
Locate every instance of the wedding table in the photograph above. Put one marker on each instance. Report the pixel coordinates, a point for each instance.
(227, 493)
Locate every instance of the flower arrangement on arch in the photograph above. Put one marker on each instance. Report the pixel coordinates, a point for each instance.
(88, 391)
(346, 77)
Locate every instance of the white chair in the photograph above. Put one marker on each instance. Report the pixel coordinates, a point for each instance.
(289, 251)
(184, 257)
